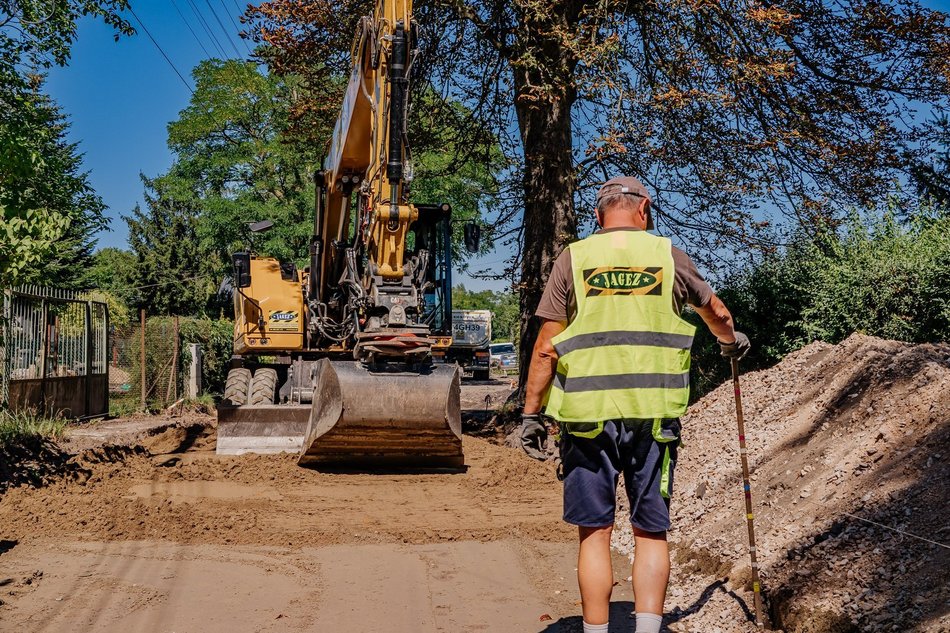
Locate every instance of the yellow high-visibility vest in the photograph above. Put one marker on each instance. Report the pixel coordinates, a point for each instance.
(626, 354)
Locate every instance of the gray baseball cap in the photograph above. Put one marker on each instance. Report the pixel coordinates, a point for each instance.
(628, 185)
(623, 184)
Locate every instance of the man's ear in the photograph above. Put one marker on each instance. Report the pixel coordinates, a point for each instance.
(646, 208)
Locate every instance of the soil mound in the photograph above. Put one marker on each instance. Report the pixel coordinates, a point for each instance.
(849, 447)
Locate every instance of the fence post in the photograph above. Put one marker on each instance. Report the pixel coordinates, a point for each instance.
(142, 355)
(171, 394)
(7, 347)
(45, 355)
(193, 387)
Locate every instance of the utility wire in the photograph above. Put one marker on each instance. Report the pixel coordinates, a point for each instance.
(195, 35)
(237, 29)
(224, 30)
(204, 25)
(155, 285)
(160, 50)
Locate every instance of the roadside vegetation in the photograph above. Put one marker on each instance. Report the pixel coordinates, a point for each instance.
(23, 427)
(876, 275)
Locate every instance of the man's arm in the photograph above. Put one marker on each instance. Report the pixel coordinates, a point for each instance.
(543, 365)
(718, 319)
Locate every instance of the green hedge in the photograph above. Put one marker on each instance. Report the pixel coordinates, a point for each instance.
(876, 276)
(215, 336)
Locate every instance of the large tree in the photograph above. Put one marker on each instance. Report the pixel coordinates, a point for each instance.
(171, 275)
(238, 159)
(725, 108)
(49, 210)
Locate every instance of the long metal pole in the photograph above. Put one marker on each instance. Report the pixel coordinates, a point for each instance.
(747, 487)
(142, 356)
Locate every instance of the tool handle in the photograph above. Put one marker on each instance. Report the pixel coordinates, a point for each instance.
(747, 488)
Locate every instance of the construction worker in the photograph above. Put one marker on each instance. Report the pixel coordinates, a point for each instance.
(612, 358)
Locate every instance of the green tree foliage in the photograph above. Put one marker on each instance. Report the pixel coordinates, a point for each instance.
(172, 274)
(234, 166)
(876, 276)
(112, 270)
(503, 306)
(49, 211)
(41, 33)
(235, 163)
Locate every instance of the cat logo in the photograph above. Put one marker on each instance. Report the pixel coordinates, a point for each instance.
(283, 321)
(623, 280)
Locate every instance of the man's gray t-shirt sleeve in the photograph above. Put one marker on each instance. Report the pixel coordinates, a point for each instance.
(559, 290)
(689, 287)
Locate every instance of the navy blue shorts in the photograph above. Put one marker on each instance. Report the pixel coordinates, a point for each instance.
(592, 467)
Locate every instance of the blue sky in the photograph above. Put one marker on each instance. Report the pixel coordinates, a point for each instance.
(120, 96)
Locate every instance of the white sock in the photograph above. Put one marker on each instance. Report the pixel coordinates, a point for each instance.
(649, 622)
(595, 628)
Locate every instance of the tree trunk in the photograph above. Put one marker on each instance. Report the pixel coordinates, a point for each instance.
(549, 220)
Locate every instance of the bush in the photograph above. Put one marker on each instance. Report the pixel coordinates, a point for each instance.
(215, 336)
(877, 276)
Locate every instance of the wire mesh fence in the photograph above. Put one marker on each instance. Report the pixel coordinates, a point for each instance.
(144, 364)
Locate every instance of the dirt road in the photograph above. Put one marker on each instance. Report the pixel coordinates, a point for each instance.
(850, 481)
(146, 537)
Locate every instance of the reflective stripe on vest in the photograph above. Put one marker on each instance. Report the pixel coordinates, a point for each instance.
(626, 353)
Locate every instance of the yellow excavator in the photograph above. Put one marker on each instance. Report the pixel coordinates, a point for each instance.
(335, 361)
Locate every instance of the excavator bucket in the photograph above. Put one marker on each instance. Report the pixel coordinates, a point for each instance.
(384, 417)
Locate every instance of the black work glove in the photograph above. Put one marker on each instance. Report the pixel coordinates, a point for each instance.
(738, 349)
(533, 436)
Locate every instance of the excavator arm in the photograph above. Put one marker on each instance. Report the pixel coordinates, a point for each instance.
(355, 385)
(363, 195)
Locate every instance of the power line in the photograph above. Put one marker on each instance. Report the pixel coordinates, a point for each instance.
(237, 29)
(195, 35)
(223, 30)
(204, 25)
(160, 50)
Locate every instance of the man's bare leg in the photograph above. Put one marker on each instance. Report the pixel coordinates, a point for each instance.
(651, 572)
(595, 575)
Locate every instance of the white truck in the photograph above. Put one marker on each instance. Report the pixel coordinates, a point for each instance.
(471, 337)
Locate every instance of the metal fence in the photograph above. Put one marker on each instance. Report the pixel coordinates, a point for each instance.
(54, 352)
(145, 364)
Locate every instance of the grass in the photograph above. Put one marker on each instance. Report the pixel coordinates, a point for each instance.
(17, 427)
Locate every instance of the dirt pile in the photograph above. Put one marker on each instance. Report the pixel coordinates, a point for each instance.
(849, 449)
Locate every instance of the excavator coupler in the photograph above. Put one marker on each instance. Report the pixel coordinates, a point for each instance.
(384, 416)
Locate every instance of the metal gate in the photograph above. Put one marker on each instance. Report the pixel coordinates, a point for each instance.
(54, 352)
